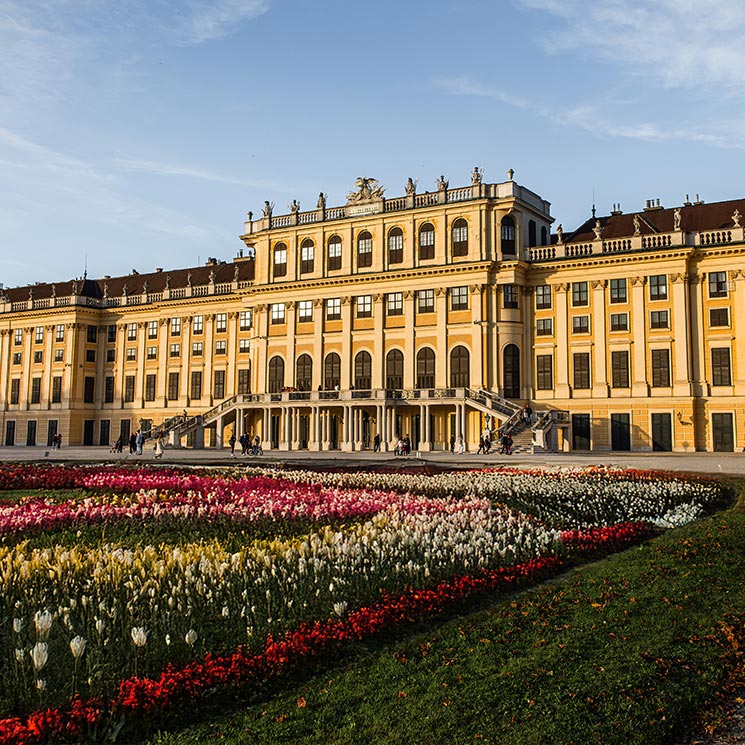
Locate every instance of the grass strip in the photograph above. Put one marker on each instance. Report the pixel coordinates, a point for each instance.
(622, 651)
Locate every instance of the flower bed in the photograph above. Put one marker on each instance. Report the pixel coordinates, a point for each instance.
(82, 619)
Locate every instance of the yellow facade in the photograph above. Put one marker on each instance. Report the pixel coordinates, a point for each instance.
(437, 316)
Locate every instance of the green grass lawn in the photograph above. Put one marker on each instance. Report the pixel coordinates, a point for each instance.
(626, 650)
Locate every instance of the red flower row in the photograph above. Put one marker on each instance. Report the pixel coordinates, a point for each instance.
(142, 697)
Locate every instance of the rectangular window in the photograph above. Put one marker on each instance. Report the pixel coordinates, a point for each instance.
(175, 327)
(427, 242)
(364, 306)
(719, 317)
(425, 301)
(544, 364)
(510, 296)
(619, 321)
(618, 291)
(219, 387)
(131, 332)
(581, 324)
(196, 385)
(658, 287)
(152, 353)
(660, 368)
(90, 355)
(364, 250)
(333, 309)
(197, 349)
(111, 333)
(91, 334)
(718, 284)
(173, 379)
(175, 350)
(305, 311)
(394, 304)
(197, 324)
(280, 261)
(59, 355)
(619, 369)
(459, 298)
(150, 382)
(18, 337)
(581, 370)
(244, 346)
(89, 387)
(15, 390)
(57, 389)
(244, 383)
(108, 390)
(111, 355)
(395, 247)
(131, 354)
(543, 298)
(129, 389)
(307, 258)
(580, 294)
(16, 358)
(36, 390)
(39, 356)
(544, 327)
(245, 320)
(721, 372)
(277, 312)
(39, 334)
(152, 329)
(221, 323)
(659, 320)
(221, 347)
(59, 332)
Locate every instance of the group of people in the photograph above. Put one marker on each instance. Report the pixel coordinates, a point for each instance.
(403, 446)
(457, 444)
(56, 441)
(249, 445)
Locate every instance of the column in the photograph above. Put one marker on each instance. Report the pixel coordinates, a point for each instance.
(526, 371)
(346, 342)
(6, 339)
(639, 335)
(409, 345)
(48, 362)
(185, 387)
(164, 360)
(737, 279)
(318, 328)
(231, 382)
(209, 351)
(442, 359)
(378, 355)
(561, 383)
(600, 379)
(219, 428)
(121, 355)
(682, 372)
(477, 337)
(285, 428)
(346, 444)
(258, 355)
(698, 332)
(291, 311)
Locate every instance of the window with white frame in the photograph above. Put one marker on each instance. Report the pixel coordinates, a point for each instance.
(39, 334)
(131, 354)
(580, 294)
(425, 301)
(152, 353)
(59, 355)
(175, 327)
(333, 309)
(18, 337)
(307, 256)
(175, 350)
(305, 311)
(245, 320)
(658, 287)
(718, 284)
(59, 332)
(244, 346)
(197, 349)
(152, 329)
(221, 323)
(543, 297)
(197, 324)
(459, 298)
(280, 260)
(510, 294)
(221, 347)
(581, 324)
(394, 304)
(544, 327)
(619, 321)
(277, 313)
(659, 319)
(131, 332)
(364, 306)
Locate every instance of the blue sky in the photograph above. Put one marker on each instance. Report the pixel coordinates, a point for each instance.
(140, 132)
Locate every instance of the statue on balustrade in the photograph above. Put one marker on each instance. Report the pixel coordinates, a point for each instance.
(410, 187)
(368, 189)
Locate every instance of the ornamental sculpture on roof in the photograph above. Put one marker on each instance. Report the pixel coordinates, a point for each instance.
(368, 190)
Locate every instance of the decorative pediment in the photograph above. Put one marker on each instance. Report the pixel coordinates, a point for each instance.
(368, 190)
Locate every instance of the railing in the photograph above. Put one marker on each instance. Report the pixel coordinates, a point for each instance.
(336, 213)
(578, 249)
(201, 291)
(393, 205)
(656, 241)
(178, 294)
(426, 200)
(45, 303)
(714, 237)
(542, 253)
(155, 297)
(307, 217)
(223, 289)
(624, 244)
(284, 221)
(460, 195)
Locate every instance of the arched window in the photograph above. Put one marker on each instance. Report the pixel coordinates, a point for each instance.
(395, 246)
(394, 370)
(332, 371)
(304, 372)
(425, 368)
(364, 249)
(531, 233)
(544, 236)
(363, 371)
(276, 374)
(280, 260)
(334, 253)
(427, 241)
(460, 237)
(511, 367)
(307, 256)
(460, 367)
(508, 235)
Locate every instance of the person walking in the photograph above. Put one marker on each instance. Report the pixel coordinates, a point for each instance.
(376, 443)
(132, 443)
(482, 446)
(452, 443)
(460, 445)
(159, 446)
(231, 442)
(139, 441)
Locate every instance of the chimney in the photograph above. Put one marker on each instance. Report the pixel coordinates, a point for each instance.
(653, 205)
(617, 209)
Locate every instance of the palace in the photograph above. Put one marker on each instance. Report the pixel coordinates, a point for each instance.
(439, 315)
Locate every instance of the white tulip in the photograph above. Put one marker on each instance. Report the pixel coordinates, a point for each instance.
(77, 646)
(43, 622)
(39, 655)
(191, 637)
(139, 636)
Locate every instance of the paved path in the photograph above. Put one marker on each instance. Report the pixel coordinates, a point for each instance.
(716, 463)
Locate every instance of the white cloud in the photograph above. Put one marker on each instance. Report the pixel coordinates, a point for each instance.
(215, 19)
(679, 43)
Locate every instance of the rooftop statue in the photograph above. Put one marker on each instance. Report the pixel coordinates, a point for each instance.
(368, 190)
